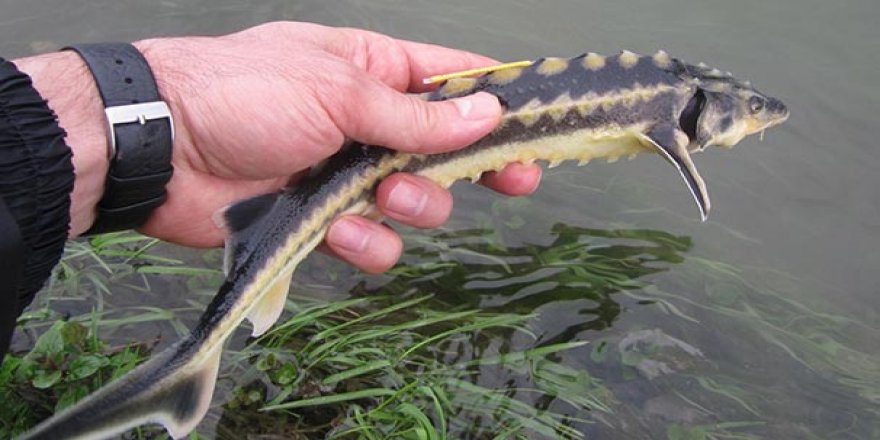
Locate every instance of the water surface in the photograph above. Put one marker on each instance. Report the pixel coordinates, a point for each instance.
(770, 316)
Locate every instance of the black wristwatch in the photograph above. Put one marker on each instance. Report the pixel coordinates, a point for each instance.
(141, 135)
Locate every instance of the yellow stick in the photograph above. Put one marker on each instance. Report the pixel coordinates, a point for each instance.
(478, 71)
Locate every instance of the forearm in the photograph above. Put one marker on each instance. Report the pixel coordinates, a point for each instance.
(65, 82)
(253, 108)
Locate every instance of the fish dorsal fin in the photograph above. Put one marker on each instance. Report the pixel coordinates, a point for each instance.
(240, 221)
(671, 143)
(271, 303)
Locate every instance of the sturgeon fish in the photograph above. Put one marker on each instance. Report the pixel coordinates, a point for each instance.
(556, 109)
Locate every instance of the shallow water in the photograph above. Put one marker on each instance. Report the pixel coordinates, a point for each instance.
(772, 314)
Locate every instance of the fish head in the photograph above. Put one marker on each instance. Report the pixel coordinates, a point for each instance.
(723, 110)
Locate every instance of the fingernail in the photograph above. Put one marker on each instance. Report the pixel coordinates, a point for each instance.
(477, 107)
(407, 199)
(349, 234)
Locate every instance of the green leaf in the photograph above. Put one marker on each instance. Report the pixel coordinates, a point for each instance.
(46, 379)
(266, 362)
(85, 366)
(7, 369)
(357, 371)
(49, 343)
(335, 398)
(425, 428)
(173, 270)
(287, 374)
(124, 362)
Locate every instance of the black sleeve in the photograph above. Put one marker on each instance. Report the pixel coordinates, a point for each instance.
(36, 179)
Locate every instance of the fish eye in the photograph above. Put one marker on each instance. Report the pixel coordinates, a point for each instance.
(756, 104)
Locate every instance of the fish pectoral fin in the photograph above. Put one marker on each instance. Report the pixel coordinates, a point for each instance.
(271, 303)
(239, 220)
(163, 390)
(671, 143)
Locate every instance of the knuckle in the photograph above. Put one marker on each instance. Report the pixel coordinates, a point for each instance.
(424, 120)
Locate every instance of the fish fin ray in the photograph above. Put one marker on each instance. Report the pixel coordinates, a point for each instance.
(269, 307)
(669, 142)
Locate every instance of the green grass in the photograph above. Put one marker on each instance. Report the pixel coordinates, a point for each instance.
(66, 363)
(614, 331)
(394, 372)
(369, 367)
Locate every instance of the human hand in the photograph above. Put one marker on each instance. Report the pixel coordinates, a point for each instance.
(254, 108)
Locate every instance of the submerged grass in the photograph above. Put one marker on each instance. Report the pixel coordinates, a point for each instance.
(818, 340)
(69, 355)
(400, 394)
(379, 368)
(369, 367)
(605, 332)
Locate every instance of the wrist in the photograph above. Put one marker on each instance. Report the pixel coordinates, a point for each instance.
(64, 81)
(170, 60)
(161, 54)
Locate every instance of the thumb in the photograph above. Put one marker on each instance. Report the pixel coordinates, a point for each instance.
(377, 114)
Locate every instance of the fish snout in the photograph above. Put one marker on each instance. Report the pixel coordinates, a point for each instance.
(777, 111)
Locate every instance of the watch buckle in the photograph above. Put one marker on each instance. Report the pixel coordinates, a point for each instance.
(140, 113)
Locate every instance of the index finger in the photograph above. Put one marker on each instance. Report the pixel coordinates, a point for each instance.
(429, 59)
(401, 64)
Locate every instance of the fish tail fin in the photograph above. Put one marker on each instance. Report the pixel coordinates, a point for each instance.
(173, 389)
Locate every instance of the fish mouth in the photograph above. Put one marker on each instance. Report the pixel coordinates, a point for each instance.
(759, 125)
(780, 118)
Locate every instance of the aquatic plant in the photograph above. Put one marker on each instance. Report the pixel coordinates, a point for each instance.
(477, 334)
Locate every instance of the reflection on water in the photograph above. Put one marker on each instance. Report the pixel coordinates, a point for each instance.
(580, 269)
(761, 324)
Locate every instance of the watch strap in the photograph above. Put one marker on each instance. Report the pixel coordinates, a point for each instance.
(141, 135)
